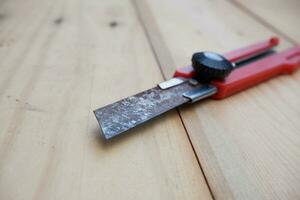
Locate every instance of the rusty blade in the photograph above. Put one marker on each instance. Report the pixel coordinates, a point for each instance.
(125, 114)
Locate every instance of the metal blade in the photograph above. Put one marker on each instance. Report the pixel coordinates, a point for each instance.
(132, 111)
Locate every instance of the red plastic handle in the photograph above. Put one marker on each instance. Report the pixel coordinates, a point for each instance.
(233, 56)
(256, 72)
(249, 51)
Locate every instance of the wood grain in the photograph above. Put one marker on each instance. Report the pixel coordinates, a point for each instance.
(281, 16)
(60, 60)
(248, 144)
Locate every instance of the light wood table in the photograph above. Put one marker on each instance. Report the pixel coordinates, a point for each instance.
(62, 59)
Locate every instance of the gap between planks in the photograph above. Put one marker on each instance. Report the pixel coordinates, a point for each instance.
(164, 58)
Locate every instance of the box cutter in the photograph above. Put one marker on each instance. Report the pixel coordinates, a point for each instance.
(210, 75)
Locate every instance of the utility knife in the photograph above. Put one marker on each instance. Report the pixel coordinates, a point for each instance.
(211, 75)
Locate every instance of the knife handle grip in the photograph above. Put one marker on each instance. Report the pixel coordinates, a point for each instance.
(233, 56)
(251, 50)
(252, 74)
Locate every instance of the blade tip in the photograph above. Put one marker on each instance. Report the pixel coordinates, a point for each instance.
(105, 136)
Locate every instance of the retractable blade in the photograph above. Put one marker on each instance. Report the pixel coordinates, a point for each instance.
(132, 111)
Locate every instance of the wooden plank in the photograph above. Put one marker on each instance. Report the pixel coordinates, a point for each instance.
(248, 144)
(59, 61)
(281, 16)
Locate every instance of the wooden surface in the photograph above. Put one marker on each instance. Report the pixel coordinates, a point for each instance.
(60, 60)
(248, 145)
